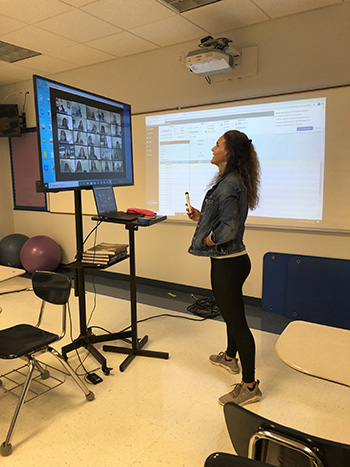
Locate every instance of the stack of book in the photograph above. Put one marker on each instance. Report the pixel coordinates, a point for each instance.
(104, 253)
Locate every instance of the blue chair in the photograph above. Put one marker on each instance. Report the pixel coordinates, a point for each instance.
(27, 341)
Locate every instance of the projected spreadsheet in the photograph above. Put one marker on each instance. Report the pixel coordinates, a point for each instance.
(289, 138)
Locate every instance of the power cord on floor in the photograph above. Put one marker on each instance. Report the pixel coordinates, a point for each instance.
(89, 376)
(162, 315)
(205, 307)
(128, 341)
(86, 373)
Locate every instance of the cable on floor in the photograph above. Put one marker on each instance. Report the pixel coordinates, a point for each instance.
(205, 307)
(128, 341)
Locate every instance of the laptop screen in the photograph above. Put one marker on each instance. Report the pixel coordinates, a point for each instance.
(105, 200)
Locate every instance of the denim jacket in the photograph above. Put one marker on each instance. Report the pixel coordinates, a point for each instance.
(223, 214)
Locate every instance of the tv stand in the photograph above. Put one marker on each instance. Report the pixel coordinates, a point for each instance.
(87, 338)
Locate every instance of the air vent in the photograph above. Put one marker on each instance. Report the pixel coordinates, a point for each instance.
(185, 5)
(12, 53)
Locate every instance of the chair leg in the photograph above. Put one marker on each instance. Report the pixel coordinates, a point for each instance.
(88, 394)
(45, 374)
(6, 447)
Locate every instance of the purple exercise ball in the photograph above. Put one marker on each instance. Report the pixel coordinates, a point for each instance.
(40, 253)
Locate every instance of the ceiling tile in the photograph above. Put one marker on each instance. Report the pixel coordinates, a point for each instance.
(31, 11)
(15, 71)
(226, 15)
(36, 39)
(76, 33)
(170, 31)
(82, 55)
(46, 64)
(131, 13)
(9, 25)
(276, 8)
(79, 26)
(122, 44)
(79, 3)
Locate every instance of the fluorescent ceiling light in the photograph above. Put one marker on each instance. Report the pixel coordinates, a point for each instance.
(185, 5)
(12, 53)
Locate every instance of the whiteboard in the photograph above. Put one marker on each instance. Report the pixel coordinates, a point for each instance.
(336, 208)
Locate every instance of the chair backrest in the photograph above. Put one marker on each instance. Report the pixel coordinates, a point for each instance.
(221, 459)
(51, 287)
(262, 439)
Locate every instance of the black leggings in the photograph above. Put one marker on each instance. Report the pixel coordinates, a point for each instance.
(227, 279)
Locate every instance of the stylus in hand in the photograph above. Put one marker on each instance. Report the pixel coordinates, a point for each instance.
(188, 202)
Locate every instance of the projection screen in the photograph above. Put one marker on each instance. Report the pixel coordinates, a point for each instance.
(302, 141)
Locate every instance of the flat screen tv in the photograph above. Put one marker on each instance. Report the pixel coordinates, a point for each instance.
(9, 121)
(84, 139)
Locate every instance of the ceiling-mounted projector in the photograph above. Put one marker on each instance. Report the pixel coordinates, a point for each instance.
(214, 57)
(209, 62)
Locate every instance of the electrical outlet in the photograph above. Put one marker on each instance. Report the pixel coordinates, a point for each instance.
(21, 93)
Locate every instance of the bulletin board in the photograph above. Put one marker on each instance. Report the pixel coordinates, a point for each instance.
(25, 172)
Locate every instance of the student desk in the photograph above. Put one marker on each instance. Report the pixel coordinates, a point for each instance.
(317, 350)
(7, 272)
(7, 286)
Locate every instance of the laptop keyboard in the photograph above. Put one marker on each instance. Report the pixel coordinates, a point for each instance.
(125, 215)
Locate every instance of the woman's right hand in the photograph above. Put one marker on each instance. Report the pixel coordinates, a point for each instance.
(194, 214)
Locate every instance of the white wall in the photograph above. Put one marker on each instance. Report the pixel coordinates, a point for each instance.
(6, 203)
(303, 51)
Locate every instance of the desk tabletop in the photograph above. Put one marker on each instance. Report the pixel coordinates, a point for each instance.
(7, 272)
(317, 350)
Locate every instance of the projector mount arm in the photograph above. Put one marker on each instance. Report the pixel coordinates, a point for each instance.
(221, 43)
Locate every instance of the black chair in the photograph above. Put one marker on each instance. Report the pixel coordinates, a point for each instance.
(221, 459)
(27, 341)
(261, 439)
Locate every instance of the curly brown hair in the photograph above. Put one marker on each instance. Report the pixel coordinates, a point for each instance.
(243, 161)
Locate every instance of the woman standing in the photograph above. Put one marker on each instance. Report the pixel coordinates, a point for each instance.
(219, 235)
